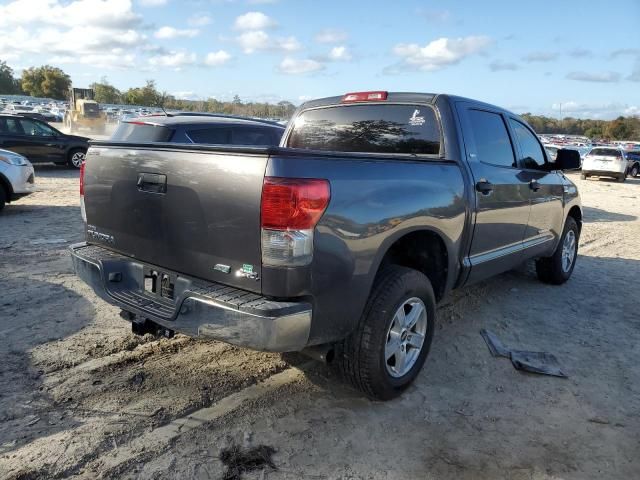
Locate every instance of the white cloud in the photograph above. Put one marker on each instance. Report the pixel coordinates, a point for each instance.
(500, 65)
(598, 77)
(97, 33)
(257, 40)
(340, 54)
(330, 35)
(175, 60)
(292, 66)
(152, 3)
(79, 40)
(252, 41)
(167, 32)
(96, 13)
(540, 57)
(199, 20)
(108, 61)
(215, 59)
(253, 21)
(439, 53)
(188, 95)
(595, 110)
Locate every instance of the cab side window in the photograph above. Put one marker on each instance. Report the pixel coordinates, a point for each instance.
(33, 128)
(532, 154)
(493, 145)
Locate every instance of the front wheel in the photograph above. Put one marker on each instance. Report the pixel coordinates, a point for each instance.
(558, 268)
(3, 197)
(76, 157)
(385, 353)
(622, 178)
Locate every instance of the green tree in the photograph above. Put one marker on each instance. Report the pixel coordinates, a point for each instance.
(46, 81)
(619, 129)
(105, 92)
(145, 96)
(8, 84)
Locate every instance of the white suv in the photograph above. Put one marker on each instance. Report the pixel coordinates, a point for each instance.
(605, 162)
(16, 177)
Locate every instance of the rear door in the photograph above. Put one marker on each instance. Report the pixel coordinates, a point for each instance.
(195, 212)
(546, 192)
(501, 192)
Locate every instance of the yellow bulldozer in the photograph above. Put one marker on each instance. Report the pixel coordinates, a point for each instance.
(84, 112)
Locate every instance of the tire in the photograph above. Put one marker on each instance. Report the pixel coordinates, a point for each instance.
(635, 170)
(3, 197)
(621, 178)
(363, 357)
(75, 157)
(584, 176)
(555, 269)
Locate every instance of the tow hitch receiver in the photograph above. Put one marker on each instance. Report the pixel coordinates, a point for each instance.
(142, 326)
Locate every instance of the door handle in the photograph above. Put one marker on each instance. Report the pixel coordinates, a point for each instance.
(152, 183)
(534, 185)
(484, 187)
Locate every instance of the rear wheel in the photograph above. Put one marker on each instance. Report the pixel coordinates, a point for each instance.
(76, 157)
(622, 178)
(635, 170)
(558, 268)
(584, 176)
(385, 353)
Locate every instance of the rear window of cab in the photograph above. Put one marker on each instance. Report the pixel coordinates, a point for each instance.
(378, 128)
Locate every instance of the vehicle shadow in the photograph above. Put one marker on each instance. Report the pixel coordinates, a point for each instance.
(597, 215)
(470, 415)
(28, 321)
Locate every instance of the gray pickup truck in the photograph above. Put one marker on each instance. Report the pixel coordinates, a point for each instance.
(339, 242)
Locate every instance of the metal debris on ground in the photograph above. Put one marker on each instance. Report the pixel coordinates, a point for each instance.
(535, 362)
(239, 460)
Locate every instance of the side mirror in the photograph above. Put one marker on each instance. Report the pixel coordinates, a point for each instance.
(567, 159)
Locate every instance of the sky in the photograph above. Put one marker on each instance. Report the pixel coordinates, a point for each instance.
(538, 57)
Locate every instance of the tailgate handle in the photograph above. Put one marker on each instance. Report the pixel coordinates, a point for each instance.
(152, 182)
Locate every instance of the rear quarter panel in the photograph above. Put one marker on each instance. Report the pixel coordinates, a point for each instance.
(373, 204)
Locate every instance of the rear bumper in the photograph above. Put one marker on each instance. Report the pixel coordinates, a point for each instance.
(602, 173)
(200, 308)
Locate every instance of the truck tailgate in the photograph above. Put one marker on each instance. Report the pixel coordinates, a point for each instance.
(194, 211)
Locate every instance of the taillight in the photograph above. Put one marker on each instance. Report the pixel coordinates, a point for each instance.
(82, 179)
(365, 97)
(290, 210)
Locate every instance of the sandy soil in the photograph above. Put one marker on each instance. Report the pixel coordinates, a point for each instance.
(81, 397)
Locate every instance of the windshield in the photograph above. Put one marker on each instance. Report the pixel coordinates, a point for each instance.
(371, 128)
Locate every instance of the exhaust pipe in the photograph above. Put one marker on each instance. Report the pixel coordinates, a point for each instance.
(322, 353)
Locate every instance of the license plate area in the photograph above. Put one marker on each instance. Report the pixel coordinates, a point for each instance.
(159, 283)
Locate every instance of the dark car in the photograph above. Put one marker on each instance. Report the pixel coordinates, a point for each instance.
(633, 159)
(337, 243)
(40, 142)
(199, 128)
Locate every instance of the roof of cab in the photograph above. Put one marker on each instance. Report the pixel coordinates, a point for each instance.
(402, 97)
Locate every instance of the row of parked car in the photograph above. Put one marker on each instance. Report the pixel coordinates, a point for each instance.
(28, 139)
(618, 161)
(25, 140)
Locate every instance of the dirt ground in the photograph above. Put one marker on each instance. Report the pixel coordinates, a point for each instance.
(81, 397)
